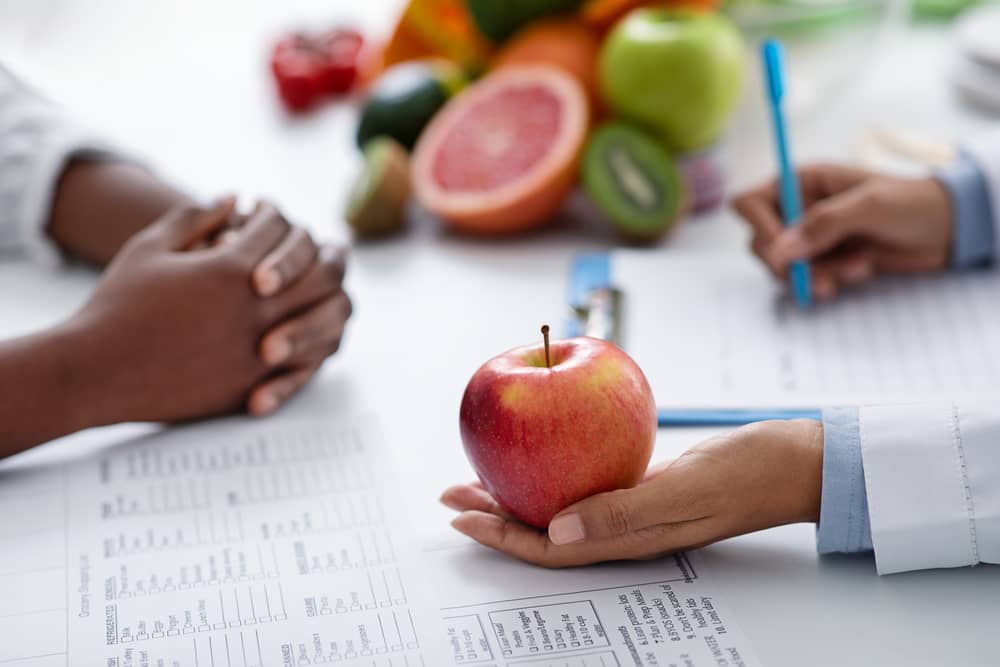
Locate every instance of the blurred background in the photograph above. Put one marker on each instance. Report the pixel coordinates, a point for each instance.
(190, 87)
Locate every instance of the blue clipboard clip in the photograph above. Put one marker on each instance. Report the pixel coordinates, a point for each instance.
(595, 303)
(596, 310)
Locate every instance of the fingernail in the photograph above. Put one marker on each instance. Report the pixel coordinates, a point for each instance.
(566, 529)
(266, 403)
(277, 350)
(268, 281)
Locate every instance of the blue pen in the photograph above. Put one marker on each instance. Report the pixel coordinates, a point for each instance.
(791, 197)
(680, 417)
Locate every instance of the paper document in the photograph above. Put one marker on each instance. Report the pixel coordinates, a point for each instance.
(243, 543)
(717, 330)
(234, 543)
(662, 613)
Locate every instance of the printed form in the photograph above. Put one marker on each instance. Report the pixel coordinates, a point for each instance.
(239, 544)
(716, 330)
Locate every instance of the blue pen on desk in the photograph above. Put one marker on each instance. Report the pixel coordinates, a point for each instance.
(687, 417)
(791, 197)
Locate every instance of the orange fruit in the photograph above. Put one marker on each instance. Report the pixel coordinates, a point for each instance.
(602, 14)
(563, 42)
(502, 156)
(440, 28)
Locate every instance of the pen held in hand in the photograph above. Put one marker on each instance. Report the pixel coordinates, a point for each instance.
(772, 55)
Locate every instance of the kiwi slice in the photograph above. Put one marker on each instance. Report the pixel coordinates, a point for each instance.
(377, 203)
(633, 180)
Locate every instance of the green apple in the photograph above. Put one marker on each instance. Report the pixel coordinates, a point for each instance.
(678, 72)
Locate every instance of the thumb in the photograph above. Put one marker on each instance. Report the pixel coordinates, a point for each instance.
(184, 226)
(824, 226)
(608, 515)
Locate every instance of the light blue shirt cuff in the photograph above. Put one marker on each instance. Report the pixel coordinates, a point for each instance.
(972, 211)
(843, 523)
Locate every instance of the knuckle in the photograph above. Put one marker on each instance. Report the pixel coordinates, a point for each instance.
(739, 204)
(551, 556)
(293, 332)
(280, 223)
(141, 241)
(185, 211)
(617, 516)
(304, 241)
(824, 217)
(268, 215)
(299, 255)
(876, 194)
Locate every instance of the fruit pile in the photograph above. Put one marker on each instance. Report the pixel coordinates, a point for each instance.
(491, 113)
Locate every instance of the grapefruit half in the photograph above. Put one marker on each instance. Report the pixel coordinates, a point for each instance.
(502, 156)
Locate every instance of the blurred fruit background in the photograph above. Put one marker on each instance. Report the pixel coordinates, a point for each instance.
(310, 83)
(496, 114)
(621, 100)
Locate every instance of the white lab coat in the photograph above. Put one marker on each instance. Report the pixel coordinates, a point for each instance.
(933, 471)
(36, 143)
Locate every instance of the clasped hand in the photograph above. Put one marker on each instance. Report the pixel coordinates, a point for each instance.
(208, 312)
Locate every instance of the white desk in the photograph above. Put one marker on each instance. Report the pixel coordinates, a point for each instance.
(186, 82)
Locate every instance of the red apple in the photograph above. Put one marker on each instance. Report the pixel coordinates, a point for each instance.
(543, 437)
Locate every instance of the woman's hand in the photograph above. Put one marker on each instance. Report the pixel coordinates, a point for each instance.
(760, 476)
(856, 224)
(176, 334)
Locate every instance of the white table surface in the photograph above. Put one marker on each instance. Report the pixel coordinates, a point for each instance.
(185, 84)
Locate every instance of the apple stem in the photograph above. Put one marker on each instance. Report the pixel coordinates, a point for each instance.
(545, 335)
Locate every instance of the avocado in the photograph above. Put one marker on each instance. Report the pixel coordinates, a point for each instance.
(499, 19)
(405, 98)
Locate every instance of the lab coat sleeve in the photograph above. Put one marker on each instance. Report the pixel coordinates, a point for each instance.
(37, 142)
(985, 152)
(932, 474)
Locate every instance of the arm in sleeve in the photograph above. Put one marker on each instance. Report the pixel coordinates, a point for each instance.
(932, 474)
(843, 523)
(36, 144)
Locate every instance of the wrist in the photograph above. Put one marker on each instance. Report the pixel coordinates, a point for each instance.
(99, 205)
(85, 388)
(932, 202)
(809, 466)
(46, 387)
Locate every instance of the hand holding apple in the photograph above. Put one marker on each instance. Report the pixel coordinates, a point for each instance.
(760, 476)
(545, 426)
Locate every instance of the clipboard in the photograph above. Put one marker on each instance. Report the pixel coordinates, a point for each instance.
(597, 308)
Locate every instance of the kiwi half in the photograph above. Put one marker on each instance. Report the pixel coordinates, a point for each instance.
(633, 180)
(377, 203)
